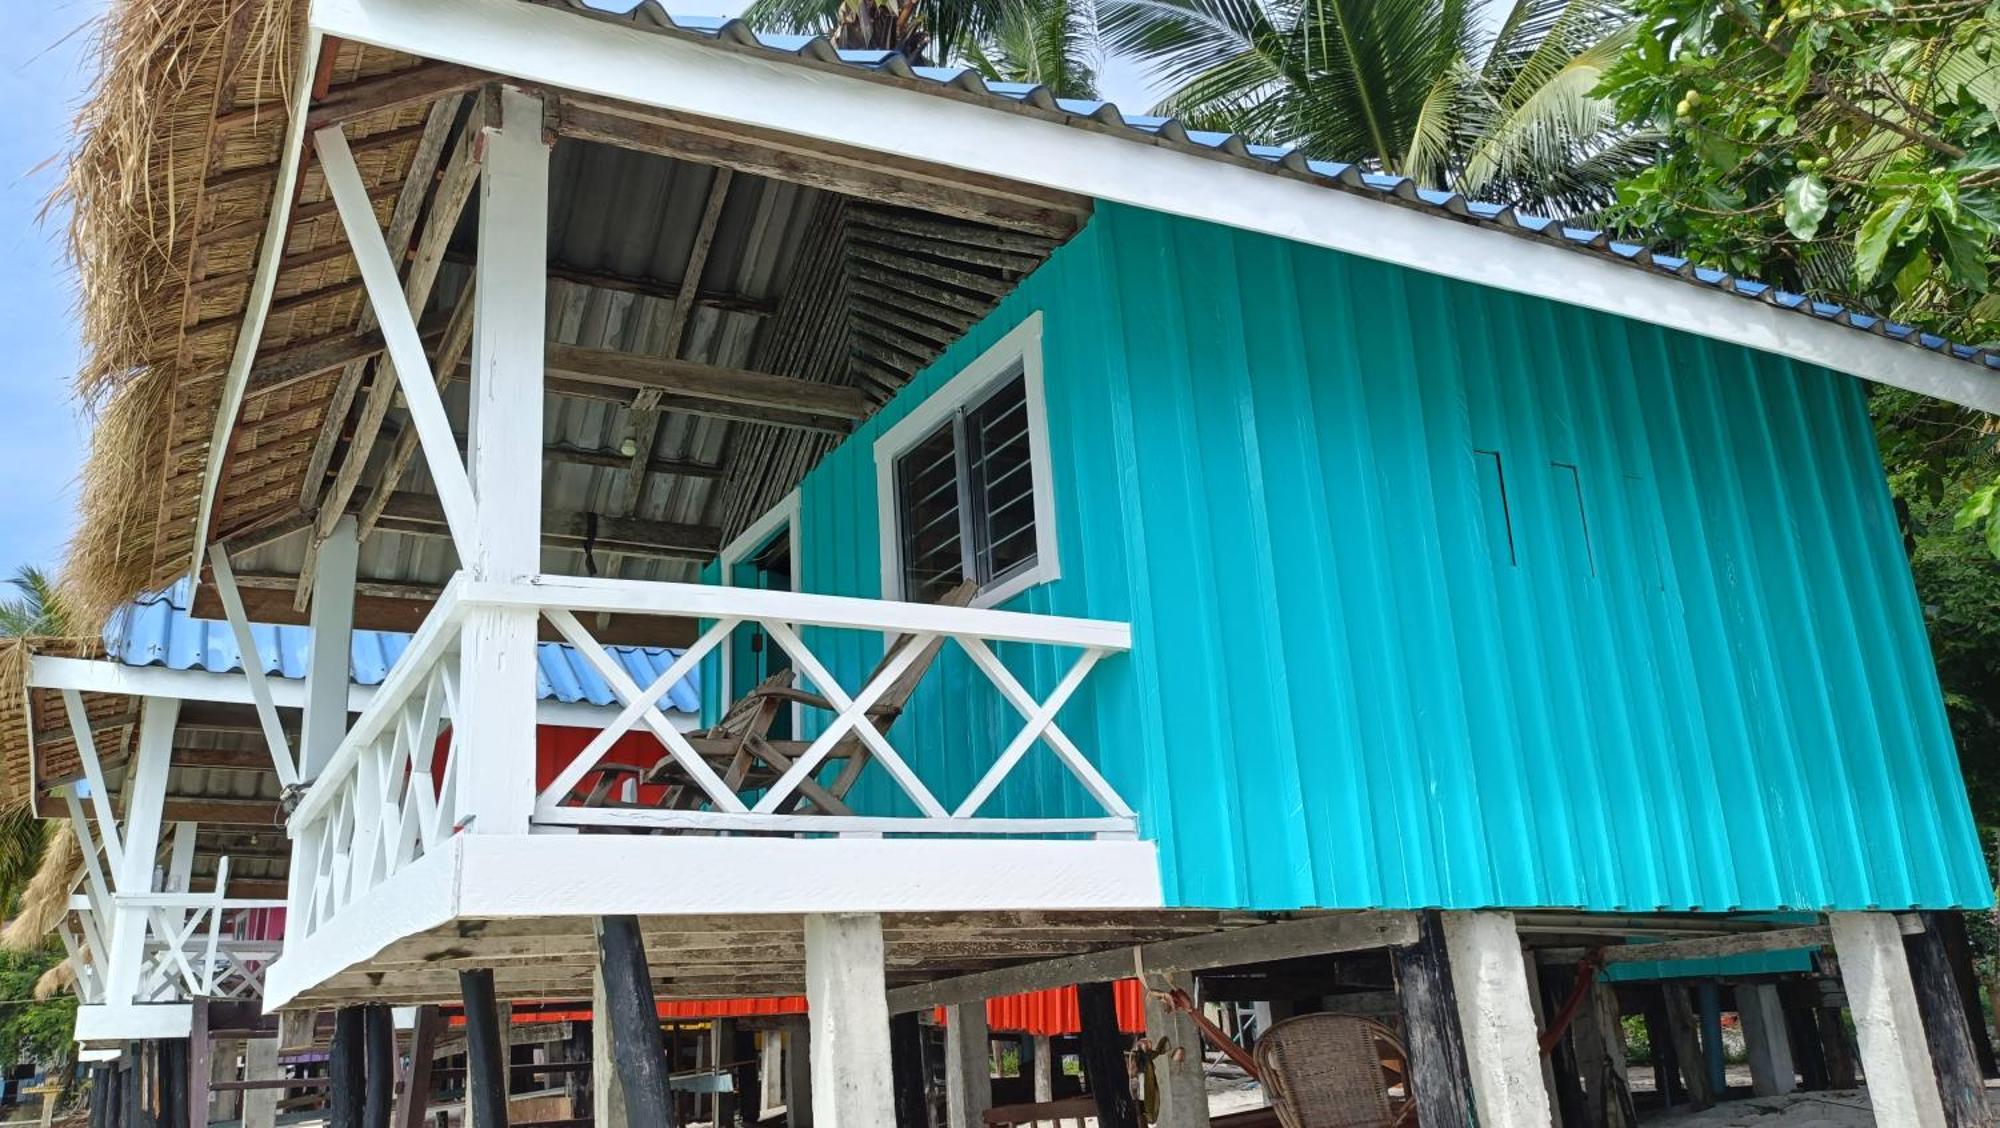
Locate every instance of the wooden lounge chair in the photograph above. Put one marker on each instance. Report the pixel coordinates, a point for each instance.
(1335, 1071)
(743, 754)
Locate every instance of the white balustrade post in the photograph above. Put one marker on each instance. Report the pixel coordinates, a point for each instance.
(496, 707)
(145, 804)
(327, 667)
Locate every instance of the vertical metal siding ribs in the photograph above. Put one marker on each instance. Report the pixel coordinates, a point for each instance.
(1693, 677)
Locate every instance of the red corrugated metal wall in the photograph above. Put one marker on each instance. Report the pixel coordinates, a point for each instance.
(1051, 1013)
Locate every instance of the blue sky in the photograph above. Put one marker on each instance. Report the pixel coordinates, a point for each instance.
(44, 69)
(42, 75)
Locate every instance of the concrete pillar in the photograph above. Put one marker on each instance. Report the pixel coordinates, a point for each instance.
(968, 1066)
(798, 1074)
(1876, 972)
(1045, 1069)
(847, 1004)
(1767, 1039)
(1497, 1019)
(260, 1106)
(1183, 1090)
(770, 1072)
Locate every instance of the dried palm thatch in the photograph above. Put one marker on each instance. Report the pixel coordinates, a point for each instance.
(136, 194)
(55, 981)
(46, 899)
(19, 712)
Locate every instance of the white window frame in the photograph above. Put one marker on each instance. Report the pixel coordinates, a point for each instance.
(782, 517)
(1023, 346)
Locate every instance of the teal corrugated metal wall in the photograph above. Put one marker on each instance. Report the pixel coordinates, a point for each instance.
(1447, 596)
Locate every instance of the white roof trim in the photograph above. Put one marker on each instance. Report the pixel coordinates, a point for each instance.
(565, 50)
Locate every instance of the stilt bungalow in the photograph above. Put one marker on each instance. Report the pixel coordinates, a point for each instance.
(1095, 549)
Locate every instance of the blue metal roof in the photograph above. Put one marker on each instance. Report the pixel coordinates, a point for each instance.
(1332, 174)
(161, 630)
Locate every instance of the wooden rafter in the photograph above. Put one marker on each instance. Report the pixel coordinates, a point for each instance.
(712, 390)
(645, 414)
(882, 177)
(419, 514)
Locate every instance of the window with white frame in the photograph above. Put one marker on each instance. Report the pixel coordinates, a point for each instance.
(965, 481)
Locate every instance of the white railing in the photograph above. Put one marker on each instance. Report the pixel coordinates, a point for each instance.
(380, 804)
(914, 628)
(186, 953)
(383, 800)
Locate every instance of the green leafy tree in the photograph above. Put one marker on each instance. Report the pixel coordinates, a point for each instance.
(923, 30)
(1847, 148)
(1413, 87)
(41, 1030)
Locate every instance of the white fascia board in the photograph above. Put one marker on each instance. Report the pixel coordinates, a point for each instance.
(578, 875)
(571, 51)
(544, 875)
(99, 675)
(136, 1022)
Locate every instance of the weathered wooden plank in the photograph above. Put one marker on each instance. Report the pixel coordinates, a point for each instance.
(1103, 1048)
(1439, 1081)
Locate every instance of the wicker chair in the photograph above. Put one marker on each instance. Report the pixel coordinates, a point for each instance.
(1327, 1071)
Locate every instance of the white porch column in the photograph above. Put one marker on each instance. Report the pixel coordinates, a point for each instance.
(260, 1063)
(145, 803)
(1873, 967)
(1183, 1090)
(968, 1066)
(327, 666)
(1502, 1050)
(497, 654)
(847, 1003)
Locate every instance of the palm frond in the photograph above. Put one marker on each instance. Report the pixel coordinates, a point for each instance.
(38, 610)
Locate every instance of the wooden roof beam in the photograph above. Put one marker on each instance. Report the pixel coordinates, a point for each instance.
(420, 514)
(884, 178)
(831, 406)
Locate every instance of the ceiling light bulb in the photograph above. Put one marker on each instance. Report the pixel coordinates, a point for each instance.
(628, 446)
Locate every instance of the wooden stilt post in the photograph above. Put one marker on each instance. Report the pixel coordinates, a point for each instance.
(1682, 1028)
(416, 1097)
(1104, 1047)
(722, 1057)
(1562, 1076)
(1888, 1023)
(1953, 1055)
(607, 1094)
(1501, 1043)
(1666, 1078)
(379, 1056)
(634, 1019)
(1708, 996)
(1950, 927)
(968, 1066)
(798, 1074)
(346, 1070)
(198, 1068)
(1800, 998)
(1438, 1079)
(847, 1004)
(1183, 1088)
(906, 1070)
(485, 1069)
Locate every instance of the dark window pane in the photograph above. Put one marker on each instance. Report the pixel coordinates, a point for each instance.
(1002, 483)
(928, 518)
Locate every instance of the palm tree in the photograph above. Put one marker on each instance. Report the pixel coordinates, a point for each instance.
(1409, 87)
(917, 28)
(1050, 43)
(38, 610)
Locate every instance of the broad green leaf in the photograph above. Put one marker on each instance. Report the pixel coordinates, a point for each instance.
(1877, 233)
(1805, 205)
(1977, 508)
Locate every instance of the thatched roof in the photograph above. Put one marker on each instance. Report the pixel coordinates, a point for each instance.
(45, 901)
(170, 190)
(26, 717)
